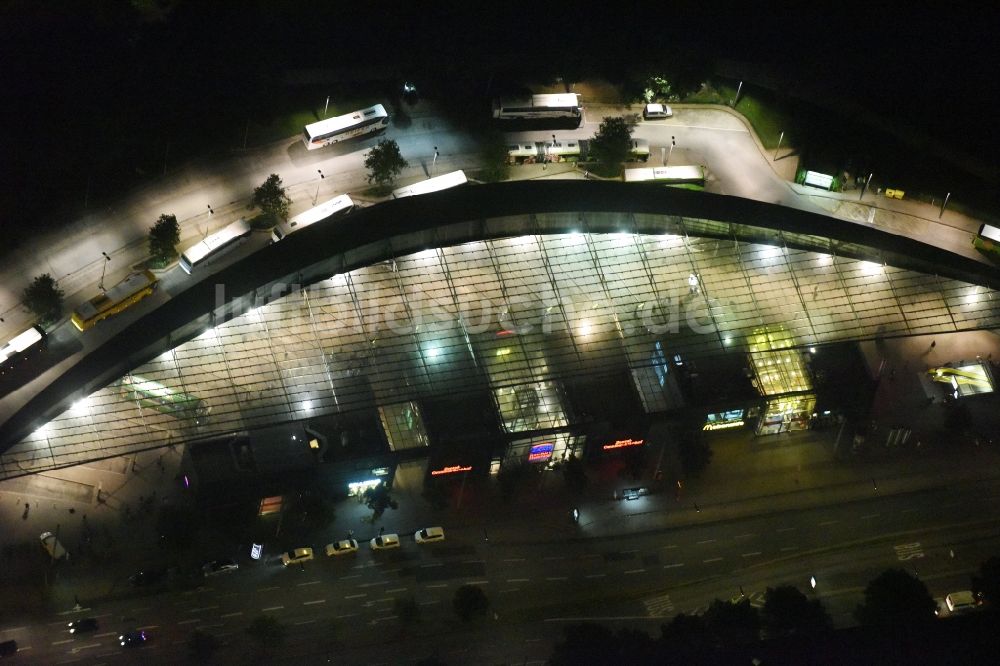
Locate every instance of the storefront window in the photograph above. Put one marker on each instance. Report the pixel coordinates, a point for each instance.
(544, 450)
(403, 425)
(786, 414)
(536, 406)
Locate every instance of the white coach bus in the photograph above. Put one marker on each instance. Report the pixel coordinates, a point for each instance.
(670, 175)
(436, 184)
(347, 126)
(215, 245)
(560, 106)
(20, 346)
(334, 207)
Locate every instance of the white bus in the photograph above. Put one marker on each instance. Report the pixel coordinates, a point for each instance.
(564, 105)
(558, 151)
(347, 126)
(336, 206)
(453, 179)
(20, 346)
(987, 240)
(215, 245)
(670, 175)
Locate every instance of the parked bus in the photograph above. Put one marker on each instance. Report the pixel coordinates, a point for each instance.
(20, 346)
(215, 245)
(156, 396)
(560, 106)
(347, 126)
(987, 241)
(436, 184)
(564, 151)
(334, 207)
(120, 297)
(693, 176)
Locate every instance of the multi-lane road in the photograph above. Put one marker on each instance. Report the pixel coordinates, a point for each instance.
(346, 605)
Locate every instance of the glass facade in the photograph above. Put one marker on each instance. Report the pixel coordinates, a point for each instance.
(513, 317)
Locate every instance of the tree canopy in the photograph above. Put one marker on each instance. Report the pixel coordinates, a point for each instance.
(895, 599)
(271, 198)
(787, 611)
(44, 298)
(612, 143)
(384, 162)
(732, 623)
(164, 236)
(987, 581)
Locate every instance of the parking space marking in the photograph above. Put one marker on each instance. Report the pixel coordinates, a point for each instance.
(870, 515)
(600, 575)
(272, 608)
(786, 529)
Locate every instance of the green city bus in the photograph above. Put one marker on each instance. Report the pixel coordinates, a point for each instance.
(165, 400)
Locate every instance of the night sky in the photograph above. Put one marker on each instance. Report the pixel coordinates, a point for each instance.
(95, 91)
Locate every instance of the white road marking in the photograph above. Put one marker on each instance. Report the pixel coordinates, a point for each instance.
(518, 580)
(870, 515)
(312, 582)
(427, 566)
(272, 608)
(706, 541)
(313, 603)
(786, 529)
(438, 585)
(556, 578)
(554, 557)
(745, 536)
(198, 610)
(634, 571)
(381, 582)
(346, 577)
(510, 589)
(267, 589)
(356, 596)
(912, 510)
(673, 566)
(105, 635)
(68, 640)
(232, 614)
(514, 559)
(152, 626)
(596, 575)
(828, 522)
(479, 582)
(712, 559)
(303, 622)
(753, 554)
(787, 548)
(396, 589)
(341, 617)
(430, 603)
(668, 547)
(197, 619)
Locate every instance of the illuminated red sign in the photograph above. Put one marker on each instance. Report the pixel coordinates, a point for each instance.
(541, 452)
(451, 470)
(623, 443)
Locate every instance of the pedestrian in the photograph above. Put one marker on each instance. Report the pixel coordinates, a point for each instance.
(933, 344)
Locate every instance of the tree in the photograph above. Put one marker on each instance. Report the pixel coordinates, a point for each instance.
(384, 162)
(896, 600)
(267, 632)
(469, 601)
(731, 624)
(787, 611)
(406, 609)
(202, 645)
(987, 582)
(597, 644)
(686, 639)
(575, 475)
(378, 500)
(163, 239)
(44, 298)
(271, 198)
(493, 151)
(612, 144)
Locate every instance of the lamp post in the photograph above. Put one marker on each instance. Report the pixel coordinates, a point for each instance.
(326, 106)
(321, 177)
(104, 269)
(865, 187)
(673, 142)
(435, 160)
(780, 137)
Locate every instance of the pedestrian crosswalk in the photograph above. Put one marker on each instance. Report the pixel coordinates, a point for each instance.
(660, 606)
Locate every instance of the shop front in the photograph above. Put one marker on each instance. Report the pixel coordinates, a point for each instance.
(787, 413)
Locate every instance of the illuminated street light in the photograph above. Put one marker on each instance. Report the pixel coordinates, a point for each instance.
(104, 268)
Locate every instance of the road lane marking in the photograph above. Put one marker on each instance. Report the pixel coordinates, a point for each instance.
(557, 578)
(198, 610)
(706, 541)
(554, 557)
(192, 621)
(151, 626)
(828, 522)
(514, 559)
(346, 577)
(313, 603)
(745, 536)
(68, 640)
(478, 582)
(381, 582)
(232, 614)
(870, 515)
(634, 571)
(105, 635)
(396, 570)
(712, 559)
(753, 554)
(630, 552)
(341, 617)
(912, 510)
(438, 585)
(430, 603)
(785, 529)
(668, 547)
(303, 622)
(596, 575)
(518, 580)
(312, 582)
(787, 548)
(272, 608)
(510, 589)
(428, 566)
(673, 566)
(396, 589)
(268, 589)
(356, 596)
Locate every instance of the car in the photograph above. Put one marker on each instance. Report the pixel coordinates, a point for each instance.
(148, 577)
(216, 567)
(654, 111)
(82, 625)
(385, 541)
(959, 602)
(297, 556)
(132, 638)
(341, 547)
(429, 534)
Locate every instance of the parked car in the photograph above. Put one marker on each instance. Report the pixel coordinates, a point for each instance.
(133, 638)
(297, 556)
(82, 625)
(429, 534)
(959, 602)
(385, 541)
(341, 547)
(654, 111)
(52, 546)
(219, 567)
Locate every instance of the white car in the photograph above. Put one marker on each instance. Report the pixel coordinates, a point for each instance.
(341, 547)
(654, 111)
(216, 567)
(385, 542)
(429, 534)
(297, 556)
(959, 602)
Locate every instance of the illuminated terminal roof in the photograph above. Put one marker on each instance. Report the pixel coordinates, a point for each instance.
(510, 305)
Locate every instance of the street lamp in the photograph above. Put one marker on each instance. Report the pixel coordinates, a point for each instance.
(104, 269)
(435, 160)
(673, 142)
(210, 211)
(321, 177)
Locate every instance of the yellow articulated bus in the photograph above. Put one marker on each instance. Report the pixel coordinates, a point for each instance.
(120, 297)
